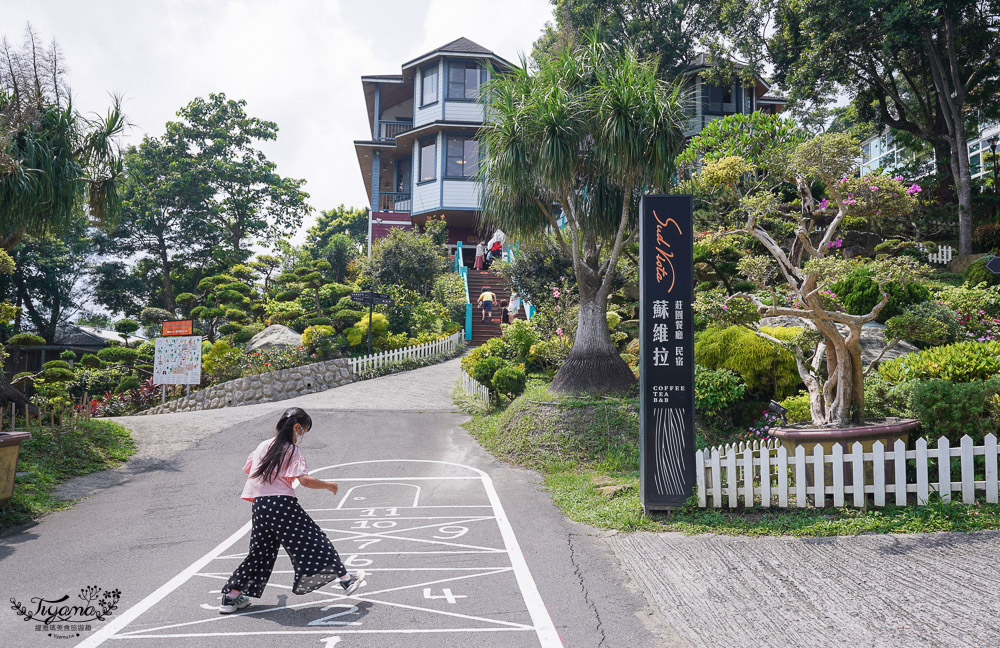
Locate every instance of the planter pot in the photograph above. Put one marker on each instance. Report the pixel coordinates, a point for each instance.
(10, 448)
(887, 431)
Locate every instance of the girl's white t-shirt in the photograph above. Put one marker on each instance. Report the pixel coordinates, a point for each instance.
(293, 466)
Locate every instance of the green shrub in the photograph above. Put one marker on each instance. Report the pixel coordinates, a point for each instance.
(484, 368)
(951, 409)
(358, 333)
(56, 364)
(246, 333)
(856, 223)
(799, 409)
(126, 385)
(549, 355)
(331, 294)
(91, 361)
(346, 318)
(121, 354)
(318, 321)
(971, 299)
(222, 362)
(929, 323)
(884, 398)
(977, 273)
(509, 381)
(320, 340)
(449, 291)
(493, 347)
(716, 390)
(986, 238)
(26, 339)
(860, 294)
(768, 370)
(520, 337)
(68, 356)
(346, 303)
(229, 328)
(960, 362)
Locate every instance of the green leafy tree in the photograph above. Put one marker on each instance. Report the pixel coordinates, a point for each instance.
(667, 30)
(589, 132)
(408, 259)
(126, 327)
(250, 200)
(306, 279)
(920, 67)
(350, 221)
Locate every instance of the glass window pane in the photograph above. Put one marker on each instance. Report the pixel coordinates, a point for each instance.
(471, 157)
(472, 82)
(428, 153)
(454, 164)
(974, 164)
(429, 90)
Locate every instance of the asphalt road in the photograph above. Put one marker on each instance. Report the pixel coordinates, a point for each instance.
(460, 550)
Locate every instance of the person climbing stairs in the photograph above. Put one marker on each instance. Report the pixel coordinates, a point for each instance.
(484, 330)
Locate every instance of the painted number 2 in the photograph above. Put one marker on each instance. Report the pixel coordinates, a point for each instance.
(345, 610)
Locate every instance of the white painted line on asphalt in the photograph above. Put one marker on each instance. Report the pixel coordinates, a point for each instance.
(367, 508)
(326, 632)
(393, 519)
(542, 622)
(109, 630)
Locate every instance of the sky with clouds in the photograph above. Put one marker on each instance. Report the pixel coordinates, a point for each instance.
(295, 62)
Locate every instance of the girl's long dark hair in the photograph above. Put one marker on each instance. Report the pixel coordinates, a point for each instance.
(282, 445)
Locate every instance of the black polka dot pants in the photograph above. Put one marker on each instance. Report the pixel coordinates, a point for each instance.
(278, 520)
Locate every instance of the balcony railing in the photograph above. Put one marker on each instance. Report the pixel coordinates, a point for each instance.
(394, 202)
(388, 130)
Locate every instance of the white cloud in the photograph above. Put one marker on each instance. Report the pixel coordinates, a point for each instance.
(296, 63)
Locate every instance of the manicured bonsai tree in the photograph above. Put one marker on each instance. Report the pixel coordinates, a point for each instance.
(799, 265)
(126, 327)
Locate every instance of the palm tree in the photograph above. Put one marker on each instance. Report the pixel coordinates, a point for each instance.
(587, 133)
(54, 162)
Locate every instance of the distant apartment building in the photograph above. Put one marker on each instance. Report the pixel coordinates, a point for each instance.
(889, 154)
(422, 155)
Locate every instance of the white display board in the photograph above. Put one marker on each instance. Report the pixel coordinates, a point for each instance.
(177, 360)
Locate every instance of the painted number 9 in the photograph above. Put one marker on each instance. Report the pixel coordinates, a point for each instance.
(451, 532)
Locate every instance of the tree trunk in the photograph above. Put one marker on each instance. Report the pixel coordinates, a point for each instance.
(942, 166)
(594, 365)
(168, 283)
(964, 186)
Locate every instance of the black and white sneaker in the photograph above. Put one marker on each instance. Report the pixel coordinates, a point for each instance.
(356, 580)
(230, 605)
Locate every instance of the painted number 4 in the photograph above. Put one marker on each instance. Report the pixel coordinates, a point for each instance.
(445, 594)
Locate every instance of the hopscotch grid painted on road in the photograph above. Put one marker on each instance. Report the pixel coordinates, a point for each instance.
(541, 622)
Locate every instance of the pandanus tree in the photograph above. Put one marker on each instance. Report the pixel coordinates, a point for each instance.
(585, 134)
(800, 261)
(54, 163)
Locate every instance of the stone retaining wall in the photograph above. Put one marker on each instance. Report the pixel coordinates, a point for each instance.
(264, 388)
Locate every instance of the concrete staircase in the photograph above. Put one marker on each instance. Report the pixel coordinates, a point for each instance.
(482, 331)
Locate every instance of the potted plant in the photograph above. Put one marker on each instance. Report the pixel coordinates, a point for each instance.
(754, 160)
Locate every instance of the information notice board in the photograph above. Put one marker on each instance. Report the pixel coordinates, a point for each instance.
(177, 360)
(666, 338)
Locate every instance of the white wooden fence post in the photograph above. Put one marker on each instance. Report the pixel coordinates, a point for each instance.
(801, 499)
(699, 468)
(968, 476)
(765, 477)
(782, 461)
(819, 492)
(838, 475)
(748, 478)
(944, 469)
(990, 450)
(923, 493)
(731, 477)
(878, 472)
(716, 479)
(858, 474)
(899, 464)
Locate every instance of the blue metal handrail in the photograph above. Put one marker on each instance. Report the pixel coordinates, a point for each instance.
(462, 270)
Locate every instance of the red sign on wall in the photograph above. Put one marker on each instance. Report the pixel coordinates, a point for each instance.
(178, 327)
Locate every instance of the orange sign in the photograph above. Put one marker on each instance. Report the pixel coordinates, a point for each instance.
(178, 327)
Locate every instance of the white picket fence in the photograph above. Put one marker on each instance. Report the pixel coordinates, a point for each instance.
(752, 476)
(475, 388)
(942, 256)
(416, 352)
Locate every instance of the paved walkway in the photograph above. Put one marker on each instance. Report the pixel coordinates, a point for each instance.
(910, 591)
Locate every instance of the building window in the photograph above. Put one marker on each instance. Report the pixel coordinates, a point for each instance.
(429, 85)
(427, 157)
(718, 100)
(463, 81)
(462, 157)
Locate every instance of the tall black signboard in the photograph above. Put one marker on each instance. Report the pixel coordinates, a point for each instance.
(666, 335)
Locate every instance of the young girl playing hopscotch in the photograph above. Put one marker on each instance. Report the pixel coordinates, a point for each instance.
(278, 519)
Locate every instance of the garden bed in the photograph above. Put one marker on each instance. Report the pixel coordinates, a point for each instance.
(46, 460)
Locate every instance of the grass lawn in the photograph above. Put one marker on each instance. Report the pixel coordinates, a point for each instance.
(583, 445)
(47, 461)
